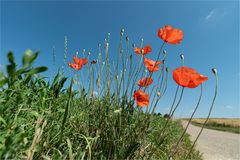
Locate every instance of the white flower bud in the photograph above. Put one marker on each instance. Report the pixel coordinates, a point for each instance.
(164, 52)
(214, 70)
(182, 56)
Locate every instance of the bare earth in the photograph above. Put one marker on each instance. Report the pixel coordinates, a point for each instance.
(215, 145)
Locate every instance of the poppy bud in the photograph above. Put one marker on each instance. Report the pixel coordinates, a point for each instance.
(99, 45)
(164, 52)
(89, 53)
(158, 94)
(133, 45)
(103, 63)
(76, 54)
(105, 40)
(131, 56)
(167, 69)
(142, 51)
(214, 70)
(108, 34)
(94, 61)
(83, 50)
(127, 38)
(121, 33)
(163, 61)
(145, 71)
(182, 56)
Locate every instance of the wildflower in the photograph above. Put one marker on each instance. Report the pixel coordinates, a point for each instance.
(170, 35)
(141, 98)
(151, 65)
(74, 66)
(145, 82)
(144, 50)
(78, 63)
(188, 77)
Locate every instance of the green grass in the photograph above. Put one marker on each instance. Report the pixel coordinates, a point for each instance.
(219, 126)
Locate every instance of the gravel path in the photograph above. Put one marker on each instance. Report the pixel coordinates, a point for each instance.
(216, 145)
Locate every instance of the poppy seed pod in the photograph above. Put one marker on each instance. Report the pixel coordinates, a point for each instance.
(127, 38)
(214, 70)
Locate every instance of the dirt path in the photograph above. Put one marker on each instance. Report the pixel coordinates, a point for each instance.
(216, 145)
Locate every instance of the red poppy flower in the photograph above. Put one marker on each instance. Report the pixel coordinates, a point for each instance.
(145, 82)
(170, 35)
(78, 63)
(74, 66)
(188, 77)
(141, 98)
(81, 61)
(151, 65)
(144, 50)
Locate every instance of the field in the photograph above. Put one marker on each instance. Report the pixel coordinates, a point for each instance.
(223, 124)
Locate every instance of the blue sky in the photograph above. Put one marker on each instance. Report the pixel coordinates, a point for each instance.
(211, 39)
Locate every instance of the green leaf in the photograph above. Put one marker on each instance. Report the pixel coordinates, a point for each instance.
(28, 58)
(3, 81)
(3, 121)
(11, 57)
(37, 70)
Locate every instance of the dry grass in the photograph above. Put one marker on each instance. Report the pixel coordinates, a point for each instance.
(235, 122)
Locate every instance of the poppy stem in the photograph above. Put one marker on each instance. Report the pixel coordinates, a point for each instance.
(161, 84)
(181, 137)
(165, 125)
(161, 93)
(177, 103)
(151, 73)
(209, 113)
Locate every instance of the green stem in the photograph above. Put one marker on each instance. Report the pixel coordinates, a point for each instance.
(181, 137)
(209, 113)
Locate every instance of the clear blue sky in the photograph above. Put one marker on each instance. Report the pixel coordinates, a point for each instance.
(211, 39)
